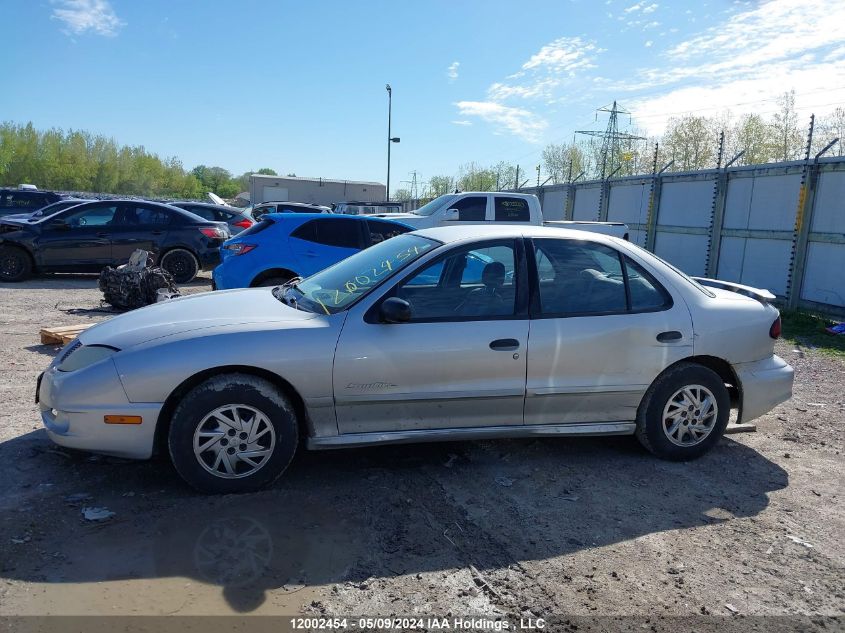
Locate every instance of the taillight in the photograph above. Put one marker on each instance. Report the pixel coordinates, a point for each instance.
(774, 331)
(244, 224)
(239, 248)
(214, 232)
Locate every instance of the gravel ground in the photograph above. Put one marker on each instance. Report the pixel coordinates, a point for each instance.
(562, 526)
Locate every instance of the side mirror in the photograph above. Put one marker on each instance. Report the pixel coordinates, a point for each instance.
(451, 215)
(395, 310)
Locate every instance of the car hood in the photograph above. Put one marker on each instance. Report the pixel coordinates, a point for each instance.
(18, 217)
(411, 219)
(192, 313)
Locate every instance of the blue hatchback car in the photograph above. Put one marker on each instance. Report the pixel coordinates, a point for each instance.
(285, 245)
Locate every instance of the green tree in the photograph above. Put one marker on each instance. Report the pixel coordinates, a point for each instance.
(266, 171)
(756, 138)
(691, 142)
(439, 185)
(557, 158)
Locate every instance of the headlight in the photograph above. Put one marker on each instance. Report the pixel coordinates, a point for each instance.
(84, 356)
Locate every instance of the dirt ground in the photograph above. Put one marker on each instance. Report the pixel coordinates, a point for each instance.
(553, 526)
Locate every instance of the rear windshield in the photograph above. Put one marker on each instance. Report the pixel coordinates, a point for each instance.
(257, 227)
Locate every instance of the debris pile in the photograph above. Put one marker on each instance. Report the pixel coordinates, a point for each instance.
(136, 284)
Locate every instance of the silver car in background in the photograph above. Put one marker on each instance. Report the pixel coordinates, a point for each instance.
(441, 334)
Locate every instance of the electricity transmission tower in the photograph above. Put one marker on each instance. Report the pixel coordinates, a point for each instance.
(610, 155)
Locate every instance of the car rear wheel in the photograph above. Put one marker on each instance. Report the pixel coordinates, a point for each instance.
(182, 265)
(15, 264)
(684, 412)
(232, 433)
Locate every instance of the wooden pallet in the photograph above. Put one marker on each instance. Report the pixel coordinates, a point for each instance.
(61, 335)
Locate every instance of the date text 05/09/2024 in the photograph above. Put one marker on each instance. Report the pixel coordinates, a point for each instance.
(466, 624)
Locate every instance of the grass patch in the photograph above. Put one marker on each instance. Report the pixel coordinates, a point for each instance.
(806, 328)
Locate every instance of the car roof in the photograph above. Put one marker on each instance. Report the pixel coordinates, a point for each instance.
(373, 204)
(183, 212)
(293, 204)
(449, 234)
(207, 205)
(333, 217)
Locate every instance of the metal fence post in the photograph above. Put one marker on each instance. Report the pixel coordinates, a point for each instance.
(569, 207)
(604, 201)
(654, 204)
(717, 219)
(803, 222)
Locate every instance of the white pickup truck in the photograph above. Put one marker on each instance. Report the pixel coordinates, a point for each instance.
(473, 207)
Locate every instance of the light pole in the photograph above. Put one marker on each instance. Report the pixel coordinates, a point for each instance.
(390, 139)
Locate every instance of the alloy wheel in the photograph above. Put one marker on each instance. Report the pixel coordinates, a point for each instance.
(690, 415)
(234, 441)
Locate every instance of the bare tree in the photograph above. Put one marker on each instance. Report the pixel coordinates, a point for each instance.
(788, 136)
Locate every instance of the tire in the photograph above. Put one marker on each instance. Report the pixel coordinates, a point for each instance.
(272, 281)
(15, 264)
(668, 427)
(181, 263)
(232, 463)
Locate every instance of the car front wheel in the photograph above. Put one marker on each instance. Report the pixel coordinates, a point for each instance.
(15, 264)
(232, 433)
(684, 412)
(182, 265)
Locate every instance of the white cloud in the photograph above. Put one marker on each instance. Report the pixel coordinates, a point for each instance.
(462, 122)
(555, 66)
(649, 44)
(517, 121)
(650, 8)
(634, 7)
(452, 71)
(563, 55)
(745, 62)
(82, 16)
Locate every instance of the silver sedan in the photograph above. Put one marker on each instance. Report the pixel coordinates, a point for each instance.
(441, 334)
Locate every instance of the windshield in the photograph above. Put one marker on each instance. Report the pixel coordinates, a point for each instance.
(337, 287)
(50, 209)
(434, 205)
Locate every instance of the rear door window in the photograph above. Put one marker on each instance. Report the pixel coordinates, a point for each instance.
(340, 234)
(582, 278)
(512, 210)
(141, 215)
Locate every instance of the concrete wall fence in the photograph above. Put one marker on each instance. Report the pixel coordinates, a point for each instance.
(779, 226)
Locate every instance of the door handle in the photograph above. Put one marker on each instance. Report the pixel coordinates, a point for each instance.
(157, 232)
(671, 335)
(504, 344)
(102, 234)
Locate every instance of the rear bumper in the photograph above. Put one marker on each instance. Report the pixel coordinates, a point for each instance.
(765, 384)
(209, 258)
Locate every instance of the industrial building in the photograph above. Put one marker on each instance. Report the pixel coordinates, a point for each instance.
(315, 190)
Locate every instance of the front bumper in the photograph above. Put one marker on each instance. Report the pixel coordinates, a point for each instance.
(73, 406)
(765, 384)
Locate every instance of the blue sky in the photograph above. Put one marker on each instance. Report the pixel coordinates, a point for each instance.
(299, 86)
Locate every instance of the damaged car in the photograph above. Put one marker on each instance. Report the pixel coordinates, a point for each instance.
(559, 333)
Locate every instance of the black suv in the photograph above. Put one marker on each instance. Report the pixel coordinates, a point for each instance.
(26, 200)
(92, 235)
